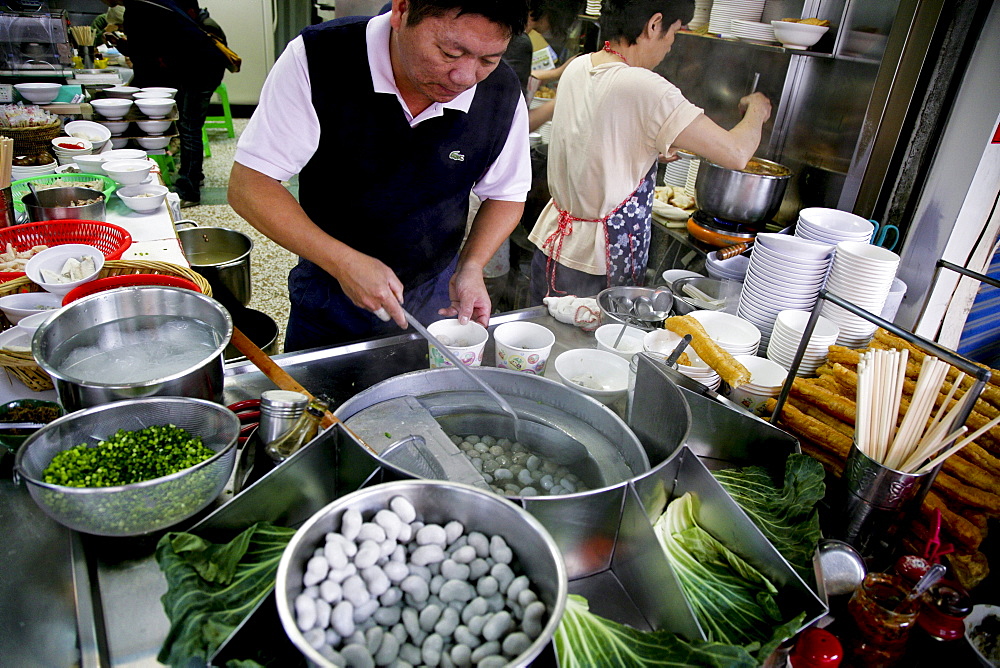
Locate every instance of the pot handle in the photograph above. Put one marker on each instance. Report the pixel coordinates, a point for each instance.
(177, 224)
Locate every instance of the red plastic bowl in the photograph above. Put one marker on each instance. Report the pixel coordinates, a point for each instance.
(127, 281)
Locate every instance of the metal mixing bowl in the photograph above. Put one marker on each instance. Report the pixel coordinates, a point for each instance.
(741, 197)
(55, 204)
(435, 502)
(684, 303)
(619, 304)
(142, 507)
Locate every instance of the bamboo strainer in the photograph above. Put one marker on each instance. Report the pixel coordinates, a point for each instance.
(22, 365)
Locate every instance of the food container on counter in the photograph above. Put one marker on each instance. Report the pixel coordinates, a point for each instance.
(222, 256)
(176, 339)
(742, 196)
(65, 203)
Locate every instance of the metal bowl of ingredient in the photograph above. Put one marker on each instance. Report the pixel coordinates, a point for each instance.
(698, 293)
(141, 507)
(135, 342)
(645, 308)
(751, 195)
(25, 411)
(530, 573)
(68, 202)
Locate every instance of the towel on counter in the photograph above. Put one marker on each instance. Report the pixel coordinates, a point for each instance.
(580, 311)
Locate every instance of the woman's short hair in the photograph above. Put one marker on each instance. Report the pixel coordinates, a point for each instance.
(511, 14)
(626, 19)
(559, 13)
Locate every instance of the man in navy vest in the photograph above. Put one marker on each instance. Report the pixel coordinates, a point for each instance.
(389, 122)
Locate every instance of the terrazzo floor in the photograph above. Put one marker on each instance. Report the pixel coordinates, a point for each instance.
(269, 262)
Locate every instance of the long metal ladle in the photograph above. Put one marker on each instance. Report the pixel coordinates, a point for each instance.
(450, 356)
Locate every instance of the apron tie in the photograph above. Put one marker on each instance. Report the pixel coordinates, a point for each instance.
(553, 243)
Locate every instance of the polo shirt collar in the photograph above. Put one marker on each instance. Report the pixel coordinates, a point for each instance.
(377, 38)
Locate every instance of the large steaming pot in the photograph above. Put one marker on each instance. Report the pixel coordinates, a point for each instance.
(573, 519)
(740, 196)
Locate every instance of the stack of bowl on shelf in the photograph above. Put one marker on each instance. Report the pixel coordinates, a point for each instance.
(788, 329)
(766, 379)
(831, 226)
(18, 172)
(154, 120)
(785, 272)
(753, 31)
(863, 275)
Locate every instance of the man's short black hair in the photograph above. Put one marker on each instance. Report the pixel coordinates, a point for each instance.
(626, 19)
(511, 14)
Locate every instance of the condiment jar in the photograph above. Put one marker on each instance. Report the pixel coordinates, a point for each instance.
(879, 631)
(303, 431)
(943, 611)
(279, 409)
(816, 648)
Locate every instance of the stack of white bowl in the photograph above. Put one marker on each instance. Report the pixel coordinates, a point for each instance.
(753, 31)
(702, 10)
(724, 11)
(593, 7)
(785, 272)
(64, 154)
(861, 274)
(663, 342)
(735, 269)
(733, 334)
(831, 226)
(788, 329)
(766, 379)
(18, 172)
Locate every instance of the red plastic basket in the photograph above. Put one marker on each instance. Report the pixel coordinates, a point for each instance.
(127, 281)
(111, 240)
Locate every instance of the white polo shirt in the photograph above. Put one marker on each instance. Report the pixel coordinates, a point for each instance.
(283, 133)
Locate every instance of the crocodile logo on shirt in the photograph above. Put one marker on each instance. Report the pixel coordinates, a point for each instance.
(457, 156)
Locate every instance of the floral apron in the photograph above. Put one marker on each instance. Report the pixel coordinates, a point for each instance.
(626, 236)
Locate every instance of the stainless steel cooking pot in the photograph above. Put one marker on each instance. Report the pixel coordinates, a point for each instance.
(56, 204)
(740, 196)
(170, 338)
(222, 256)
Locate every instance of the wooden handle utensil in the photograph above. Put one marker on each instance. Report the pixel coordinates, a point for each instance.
(730, 252)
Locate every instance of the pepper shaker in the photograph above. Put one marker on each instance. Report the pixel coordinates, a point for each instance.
(279, 410)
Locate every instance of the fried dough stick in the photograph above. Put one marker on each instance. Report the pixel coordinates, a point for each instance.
(731, 371)
(959, 528)
(817, 413)
(836, 444)
(831, 403)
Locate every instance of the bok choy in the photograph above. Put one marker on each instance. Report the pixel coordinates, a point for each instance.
(732, 601)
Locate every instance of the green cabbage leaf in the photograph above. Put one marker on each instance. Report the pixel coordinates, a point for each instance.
(733, 602)
(786, 515)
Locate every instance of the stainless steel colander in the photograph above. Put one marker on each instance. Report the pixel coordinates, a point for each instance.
(139, 508)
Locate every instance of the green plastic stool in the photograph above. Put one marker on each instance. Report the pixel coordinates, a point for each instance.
(204, 142)
(224, 122)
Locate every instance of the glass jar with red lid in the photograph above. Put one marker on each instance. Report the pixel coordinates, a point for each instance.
(943, 611)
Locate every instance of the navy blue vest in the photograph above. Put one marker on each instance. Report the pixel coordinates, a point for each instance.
(394, 192)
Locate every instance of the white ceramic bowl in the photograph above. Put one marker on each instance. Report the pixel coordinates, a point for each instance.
(38, 93)
(732, 333)
(801, 249)
(153, 127)
(630, 344)
(121, 92)
(124, 154)
(54, 258)
(143, 198)
(119, 142)
(22, 304)
(15, 339)
(153, 143)
(90, 164)
(116, 127)
(157, 107)
(972, 622)
(71, 146)
(597, 373)
(112, 108)
(34, 321)
(128, 172)
(160, 91)
(798, 36)
(97, 134)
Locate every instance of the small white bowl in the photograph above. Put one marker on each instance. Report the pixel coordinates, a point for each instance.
(121, 92)
(54, 258)
(15, 339)
(119, 142)
(128, 172)
(97, 134)
(111, 107)
(798, 36)
(124, 154)
(116, 127)
(157, 107)
(78, 145)
(596, 373)
(143, 198)
(38, 93)
(159, 91)
(153, 127)
(153, 143)
(34, 321)
(629, 345)
(152, 95)
(22, 304)
(979, 612)
(90, 164)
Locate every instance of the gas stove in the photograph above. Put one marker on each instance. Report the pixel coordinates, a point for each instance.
(719, 232)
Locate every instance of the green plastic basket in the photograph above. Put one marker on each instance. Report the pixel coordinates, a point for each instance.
(19, 189)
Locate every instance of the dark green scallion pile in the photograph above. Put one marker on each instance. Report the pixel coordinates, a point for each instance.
(127, 457)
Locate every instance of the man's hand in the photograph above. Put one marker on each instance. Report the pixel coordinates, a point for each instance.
(469, 298)
(757, 104)
(370, 284)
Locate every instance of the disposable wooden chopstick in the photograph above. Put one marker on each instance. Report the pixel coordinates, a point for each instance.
(961, 444)
(935, 438)
(6, 158)
(928, 387)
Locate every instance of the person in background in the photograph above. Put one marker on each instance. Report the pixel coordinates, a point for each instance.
(167, 44)
(387, 146)
(613, 118)
(111, 20)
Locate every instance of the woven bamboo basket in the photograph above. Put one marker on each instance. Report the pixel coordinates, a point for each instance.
(22, 365)
(32, 140)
